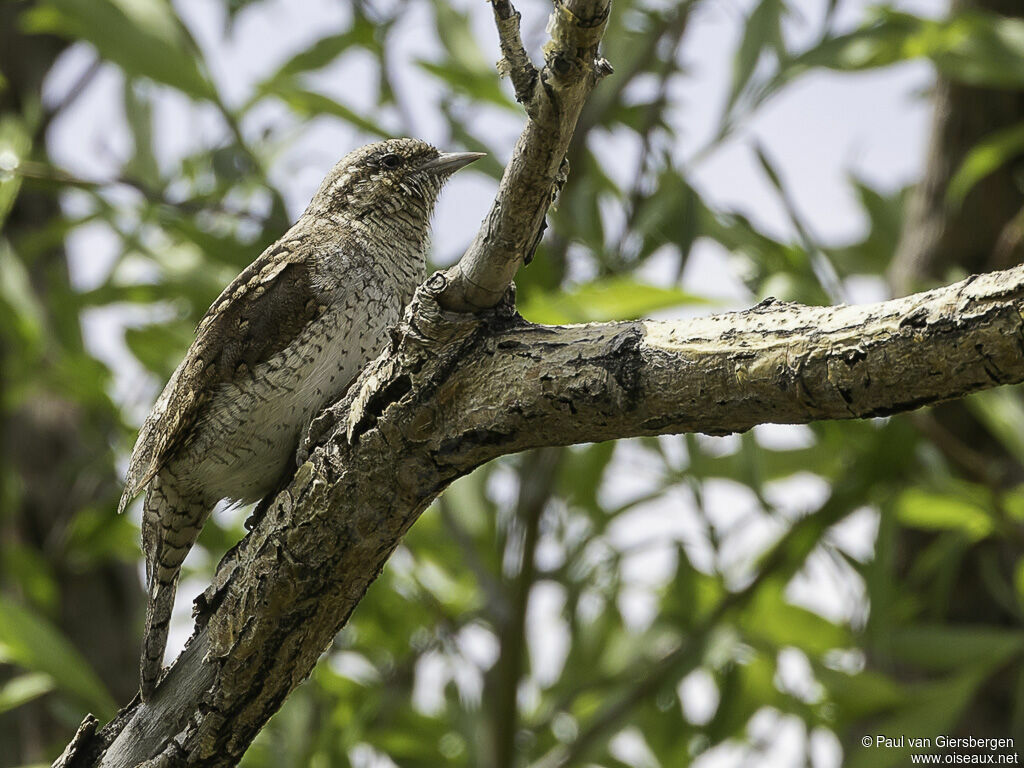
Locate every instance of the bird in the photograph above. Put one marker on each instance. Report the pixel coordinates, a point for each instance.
(282, 341)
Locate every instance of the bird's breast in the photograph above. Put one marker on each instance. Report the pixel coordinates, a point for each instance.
(247, 439)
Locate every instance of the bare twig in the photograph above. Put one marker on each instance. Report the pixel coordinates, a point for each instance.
(515, 62)
(509, 235)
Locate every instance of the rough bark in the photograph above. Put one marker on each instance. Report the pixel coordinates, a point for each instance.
(454, 391)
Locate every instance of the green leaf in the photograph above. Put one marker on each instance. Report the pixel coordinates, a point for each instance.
(763, 31)
(941, 648)
(15, 145)
(469, 503)
(31, 571)
(464, 67)
(138, 108)
(143, 37)
(325, 50)
(95, 536)
(312, 104)
(744, 689)
(878, 44)
(158, 347)
(776, 269)
(981, 49)
(931, 709)
(459, 41)
(865, 694)
(885, 227)
(918, 508)
(23, 689)
(987, 157)
(754, 465)
(476, 85)
(777, 621)
(30, 641)
(582, 473)
(1002, 412)
(672, 214)
(20, 308)
(611, 298)
(362, 35)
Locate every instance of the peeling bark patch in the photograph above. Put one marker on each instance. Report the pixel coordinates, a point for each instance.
(991, 367)
(467, 441)
(524, 350)
(395, 390)
(916, 319)
(853, 356)
(80, 751)
(624, 361)
(766, 303)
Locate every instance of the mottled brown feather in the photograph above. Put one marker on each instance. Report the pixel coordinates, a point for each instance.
(236, 334)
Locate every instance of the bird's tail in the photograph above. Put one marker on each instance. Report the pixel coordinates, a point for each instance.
(170, 526)
(154, 641)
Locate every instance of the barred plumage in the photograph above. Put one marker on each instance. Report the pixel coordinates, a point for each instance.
(283, 340)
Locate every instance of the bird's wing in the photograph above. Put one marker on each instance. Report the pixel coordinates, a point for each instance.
(257, 315)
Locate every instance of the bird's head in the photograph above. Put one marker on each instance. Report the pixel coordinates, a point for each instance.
(396, 176)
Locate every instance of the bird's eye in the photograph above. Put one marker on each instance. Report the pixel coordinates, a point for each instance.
(390, 162)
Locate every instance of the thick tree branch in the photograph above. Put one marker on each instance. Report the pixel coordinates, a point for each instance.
(527, 386)
(454, 391)
(220, 693)
(515, 62)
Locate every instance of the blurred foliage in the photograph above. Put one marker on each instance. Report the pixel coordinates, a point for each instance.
(524, 621)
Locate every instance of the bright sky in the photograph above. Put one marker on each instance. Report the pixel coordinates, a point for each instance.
(820, 133)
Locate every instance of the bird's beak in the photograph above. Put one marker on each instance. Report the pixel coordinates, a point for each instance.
(450, 162)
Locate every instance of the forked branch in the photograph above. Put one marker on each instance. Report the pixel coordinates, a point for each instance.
(456, 389)
(553, 99)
